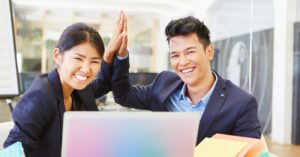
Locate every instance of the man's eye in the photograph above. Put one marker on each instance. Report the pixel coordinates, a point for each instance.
(174, 56)
(77, 58)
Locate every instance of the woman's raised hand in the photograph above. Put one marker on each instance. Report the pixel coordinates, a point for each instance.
(122, 51)
(118, 42)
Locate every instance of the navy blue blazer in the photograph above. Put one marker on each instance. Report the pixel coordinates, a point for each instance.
(38, 117)
(230, 110)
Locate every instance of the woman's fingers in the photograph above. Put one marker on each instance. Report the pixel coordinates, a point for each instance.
(120, 25)
(122, 51)
(116, 39)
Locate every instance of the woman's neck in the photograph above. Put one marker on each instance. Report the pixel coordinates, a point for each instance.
(67, 92)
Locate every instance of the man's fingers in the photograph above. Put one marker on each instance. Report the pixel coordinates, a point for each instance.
(124, 24)
(125, 39)
(123, 48)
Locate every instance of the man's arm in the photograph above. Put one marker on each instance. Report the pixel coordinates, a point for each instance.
(30, 118)
(125, 94)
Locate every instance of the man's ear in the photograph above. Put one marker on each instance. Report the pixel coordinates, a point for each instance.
(56, 55)
(210, 51)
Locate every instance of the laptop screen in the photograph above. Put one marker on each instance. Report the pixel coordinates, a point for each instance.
(129, 134)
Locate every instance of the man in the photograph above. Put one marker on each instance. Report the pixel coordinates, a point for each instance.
(194, 87)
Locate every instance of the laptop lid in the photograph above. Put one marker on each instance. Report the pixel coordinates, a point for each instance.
(129, 134)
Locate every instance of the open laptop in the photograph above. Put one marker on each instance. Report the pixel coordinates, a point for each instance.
(129, 134)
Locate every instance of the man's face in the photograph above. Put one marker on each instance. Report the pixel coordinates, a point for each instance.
(189, 59)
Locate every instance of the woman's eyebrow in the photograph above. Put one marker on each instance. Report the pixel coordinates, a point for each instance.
(80, 55)
(96, 58)
(83, 56)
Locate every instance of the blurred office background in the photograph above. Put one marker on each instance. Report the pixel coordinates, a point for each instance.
(257, 45)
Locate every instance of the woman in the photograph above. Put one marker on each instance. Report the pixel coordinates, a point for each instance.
(38, 117)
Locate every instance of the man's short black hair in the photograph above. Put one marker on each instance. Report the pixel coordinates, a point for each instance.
(186, 26)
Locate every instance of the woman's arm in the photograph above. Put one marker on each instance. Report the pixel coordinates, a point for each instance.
(30, 117)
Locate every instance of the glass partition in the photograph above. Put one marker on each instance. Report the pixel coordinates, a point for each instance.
(242, 33)
(38, 30)
(296, 80)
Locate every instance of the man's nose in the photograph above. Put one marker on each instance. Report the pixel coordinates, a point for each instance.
(183, 60)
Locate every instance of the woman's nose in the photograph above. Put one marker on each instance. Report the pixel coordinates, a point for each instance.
(85, 67)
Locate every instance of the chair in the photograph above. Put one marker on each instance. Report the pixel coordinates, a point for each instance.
(5, 127)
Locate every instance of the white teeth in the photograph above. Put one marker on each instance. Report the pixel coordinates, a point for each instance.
(79, 77)
(187, 70)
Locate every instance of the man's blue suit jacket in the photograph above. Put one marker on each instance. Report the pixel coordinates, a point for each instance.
(230, 110)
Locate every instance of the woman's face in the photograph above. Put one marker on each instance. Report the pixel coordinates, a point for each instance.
(78, 66)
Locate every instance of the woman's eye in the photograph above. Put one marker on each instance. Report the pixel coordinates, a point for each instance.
(95, 62)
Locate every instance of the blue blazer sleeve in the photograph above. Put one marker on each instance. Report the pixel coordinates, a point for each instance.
(125, 94)
(30, 117)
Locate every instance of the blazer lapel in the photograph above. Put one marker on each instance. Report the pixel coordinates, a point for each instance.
(54, 80)
(216, 101)
(167, 91)
(86, 97)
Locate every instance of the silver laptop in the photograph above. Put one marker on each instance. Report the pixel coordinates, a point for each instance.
(129, 134)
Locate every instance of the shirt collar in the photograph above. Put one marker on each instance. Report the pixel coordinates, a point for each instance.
(206, 97)
(182, 92)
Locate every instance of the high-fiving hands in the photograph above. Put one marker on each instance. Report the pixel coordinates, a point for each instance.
(118, 42)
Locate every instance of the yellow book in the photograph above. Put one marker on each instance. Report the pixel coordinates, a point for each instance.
(213, 147)
(253, 148)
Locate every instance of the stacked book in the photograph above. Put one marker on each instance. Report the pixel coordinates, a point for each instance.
(221, 145)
